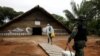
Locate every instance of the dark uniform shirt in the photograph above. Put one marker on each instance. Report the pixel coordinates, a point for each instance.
(78, 34)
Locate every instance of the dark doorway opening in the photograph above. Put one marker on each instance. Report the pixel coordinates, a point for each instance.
(37, 31)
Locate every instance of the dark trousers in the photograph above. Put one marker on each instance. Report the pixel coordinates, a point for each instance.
(79, 48)
(50, 38)
(79, 52)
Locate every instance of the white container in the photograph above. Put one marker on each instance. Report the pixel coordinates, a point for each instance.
(68, 53)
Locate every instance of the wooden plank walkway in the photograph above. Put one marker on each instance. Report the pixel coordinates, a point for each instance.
(51, 50)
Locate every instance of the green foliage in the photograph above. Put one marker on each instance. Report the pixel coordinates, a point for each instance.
(89, 9)
(91, 12)
(59, 18)
(94, 25)
(9, 12)
(69, 15)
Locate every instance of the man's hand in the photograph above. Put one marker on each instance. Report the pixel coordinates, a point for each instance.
(67, 46)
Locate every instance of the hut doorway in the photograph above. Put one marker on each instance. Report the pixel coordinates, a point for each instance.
(37, 31)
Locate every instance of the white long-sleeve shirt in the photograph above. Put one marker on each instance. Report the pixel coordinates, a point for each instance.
(49, 29)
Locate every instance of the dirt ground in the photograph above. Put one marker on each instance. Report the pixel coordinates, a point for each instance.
(28, 45)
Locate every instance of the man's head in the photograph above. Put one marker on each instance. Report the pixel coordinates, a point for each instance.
(48, 24)
(82, 20)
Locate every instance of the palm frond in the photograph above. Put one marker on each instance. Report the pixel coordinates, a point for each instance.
(91, 13)
(85, 6)
(74, 8)
(69, 15)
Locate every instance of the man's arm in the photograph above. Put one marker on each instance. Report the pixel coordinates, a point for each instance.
(69, 39)
(73, 34)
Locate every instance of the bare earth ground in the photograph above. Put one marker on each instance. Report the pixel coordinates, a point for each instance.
(28, 45)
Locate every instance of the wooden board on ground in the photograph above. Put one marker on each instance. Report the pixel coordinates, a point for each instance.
(51, 50)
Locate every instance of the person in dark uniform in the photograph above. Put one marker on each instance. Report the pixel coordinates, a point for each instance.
(79, 34)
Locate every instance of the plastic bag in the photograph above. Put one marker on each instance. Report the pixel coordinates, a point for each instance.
(68, 53)
(52, 34)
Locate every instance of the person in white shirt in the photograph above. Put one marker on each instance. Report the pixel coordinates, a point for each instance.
(49, 30)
